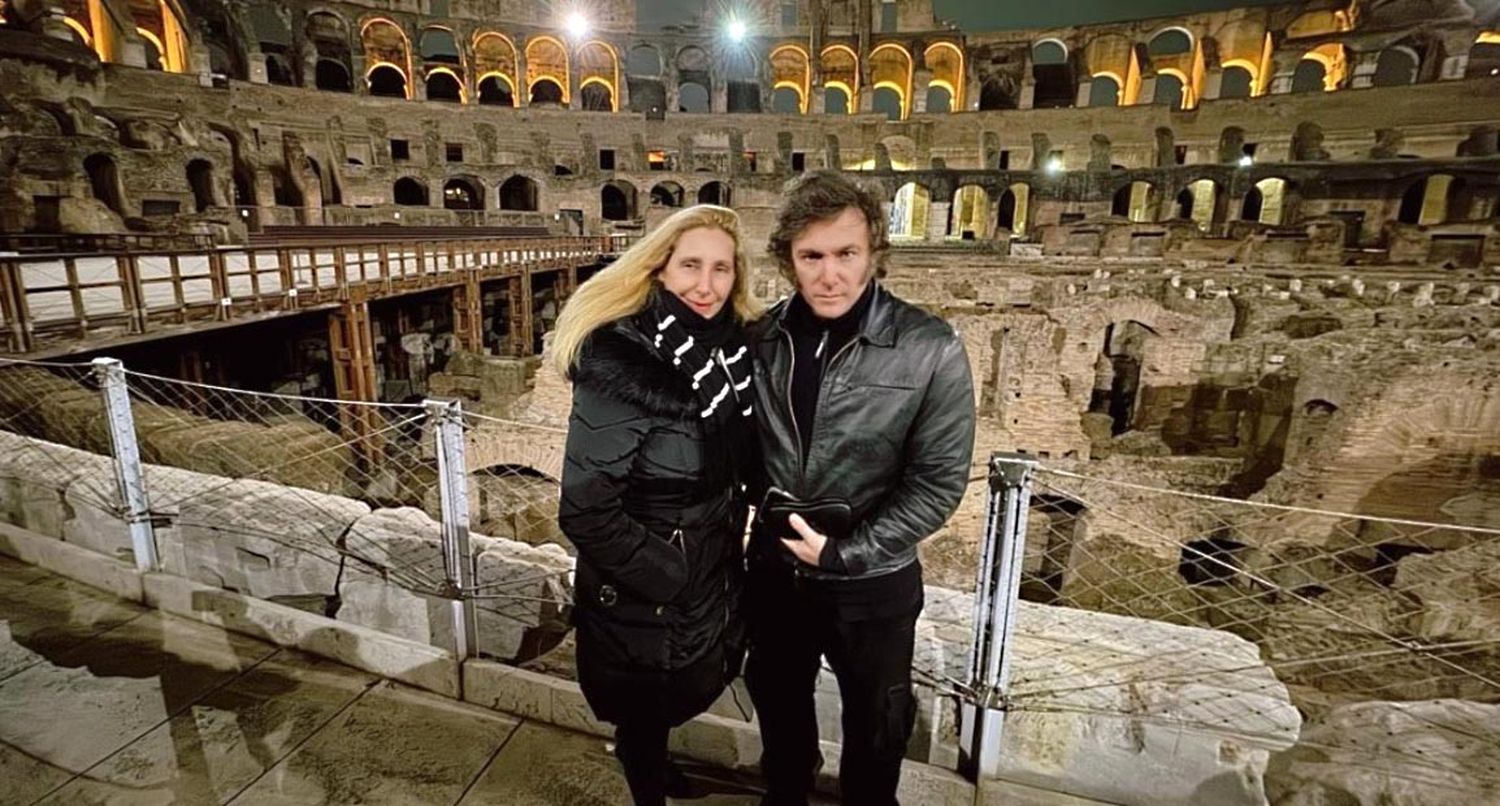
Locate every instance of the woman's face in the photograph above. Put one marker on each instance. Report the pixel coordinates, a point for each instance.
(700, 270)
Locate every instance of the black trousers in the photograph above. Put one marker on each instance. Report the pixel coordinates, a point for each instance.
(790, 628)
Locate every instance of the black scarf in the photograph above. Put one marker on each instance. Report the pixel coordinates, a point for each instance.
(711, 352)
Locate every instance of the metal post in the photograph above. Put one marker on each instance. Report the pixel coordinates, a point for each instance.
(129, 477)
(447, 419)
(995, 597)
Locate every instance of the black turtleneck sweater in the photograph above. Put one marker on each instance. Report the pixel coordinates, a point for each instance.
(815, 342)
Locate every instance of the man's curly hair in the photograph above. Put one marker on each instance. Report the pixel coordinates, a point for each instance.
(822, 196)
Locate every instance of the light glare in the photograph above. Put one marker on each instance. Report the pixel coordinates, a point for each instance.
(1246, 161)
(1054, 165)
(577, 25)
(737, 30)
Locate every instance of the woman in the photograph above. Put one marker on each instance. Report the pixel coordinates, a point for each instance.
(651, 484)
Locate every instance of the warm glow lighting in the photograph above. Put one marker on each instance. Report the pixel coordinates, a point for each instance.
(1054, 165)
(577, 25)
(736, 30)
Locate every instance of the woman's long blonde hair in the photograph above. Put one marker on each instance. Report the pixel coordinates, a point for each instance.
(620, 289)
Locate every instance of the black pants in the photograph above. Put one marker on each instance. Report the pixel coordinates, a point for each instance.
(641, 747)
(789, 630)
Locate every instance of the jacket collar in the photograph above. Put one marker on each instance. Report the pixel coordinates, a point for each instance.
(878, 327)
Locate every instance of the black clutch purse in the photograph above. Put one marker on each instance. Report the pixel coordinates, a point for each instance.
(830, 516)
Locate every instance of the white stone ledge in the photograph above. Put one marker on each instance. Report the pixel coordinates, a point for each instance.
(64, 559)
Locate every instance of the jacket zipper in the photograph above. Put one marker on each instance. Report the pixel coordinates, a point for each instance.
(791, 408)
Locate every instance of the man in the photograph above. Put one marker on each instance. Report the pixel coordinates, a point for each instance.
(867, 399)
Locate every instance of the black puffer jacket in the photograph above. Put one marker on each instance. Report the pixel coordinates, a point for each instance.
(653, 507)
(893, 433)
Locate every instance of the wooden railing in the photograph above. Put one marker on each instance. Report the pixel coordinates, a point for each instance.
(54, 302)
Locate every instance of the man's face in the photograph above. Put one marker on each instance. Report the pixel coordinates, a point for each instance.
(833, 263)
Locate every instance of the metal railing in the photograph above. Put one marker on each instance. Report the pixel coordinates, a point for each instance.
(76, 296)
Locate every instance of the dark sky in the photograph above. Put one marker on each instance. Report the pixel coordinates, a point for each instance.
(989, 15)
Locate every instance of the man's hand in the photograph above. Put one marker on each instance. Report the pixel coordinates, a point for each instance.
(810, 547)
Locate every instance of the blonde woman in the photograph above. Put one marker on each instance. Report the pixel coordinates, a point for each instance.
(661, 435)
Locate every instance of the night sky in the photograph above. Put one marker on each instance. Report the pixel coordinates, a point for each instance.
(990, 15)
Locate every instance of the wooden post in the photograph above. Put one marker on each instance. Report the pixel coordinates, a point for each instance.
(468, 313)
(13, 306)
(352, 347)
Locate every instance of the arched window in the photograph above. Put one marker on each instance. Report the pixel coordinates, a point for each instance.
(332, 76)
(518, 193)
(835, 101)
(1104, 91)
(596, 97)
(666, 194)
(1396, 67)
(714, 193)
(386, 81)
(104, 181)
(1052, 74)
(617, 201)
(1237, 82)
(909, 212)
(1170, 42)
(444, 86)
(888, 101)
(1169, 90)
(1198, 202)
(995, 94)
(939, 99)
(1310, 76)
(1013, 210)
(496, 91)
(644, 61)
(409, 192)
(692, 97)
(786, 101)
(1134, 201)
(546, 91)
(461, 194)
(200, 176)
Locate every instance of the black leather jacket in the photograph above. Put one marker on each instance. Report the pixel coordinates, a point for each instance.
(893, 434)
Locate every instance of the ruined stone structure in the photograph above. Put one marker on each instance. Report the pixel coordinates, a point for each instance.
(1241, 256)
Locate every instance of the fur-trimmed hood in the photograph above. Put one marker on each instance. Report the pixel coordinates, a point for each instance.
(617, 361)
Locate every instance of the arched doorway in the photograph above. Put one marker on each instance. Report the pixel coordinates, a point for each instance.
(495, 91)
(518, 193)
(462, 194)
(714, 193)
(617, 201)
(104, 181)
(909, 211)
(386, 81)
(200, 176)
(409, 192)
(1013, 209)
(443, 86)
(546, 91)
(666, 194)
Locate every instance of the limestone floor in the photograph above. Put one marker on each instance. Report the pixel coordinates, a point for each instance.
(105, 702)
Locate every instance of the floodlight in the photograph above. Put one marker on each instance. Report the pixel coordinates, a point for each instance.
(1246, 161)
(1054, 165)
(577, 25)
(736, 29)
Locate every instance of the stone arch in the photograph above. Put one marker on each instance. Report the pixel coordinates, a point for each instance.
(840, 68)
(1431, 200)
(644, 61)
(598, 76)
(387, 81)
(1396, 67)
(463, 193)
(328, 33)
(386, 46)
(1200, 202)
(547, 61)
(1321, 69)
(909, 211)
(1135, 201)
(714, 192)
(443, 84)
(1173, 90)
(495, 65)
(1171, 41)
(791, 72)
(519, 193)
(890, 67)
(617, 201)
(693, 97)
(1270, 201)
(945, 60)
(666, 194)
(972, 213)
(1104, 90)
(1237, 81)
(410, 192)
(1013, 211)
(1052, 75)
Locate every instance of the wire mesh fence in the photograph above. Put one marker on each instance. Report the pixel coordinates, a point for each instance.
(332, 506)
(1362, 623)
